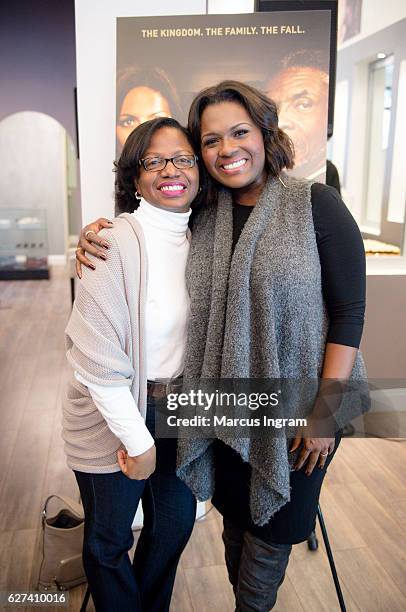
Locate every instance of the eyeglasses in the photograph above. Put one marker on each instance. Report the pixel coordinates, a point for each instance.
(155, 164)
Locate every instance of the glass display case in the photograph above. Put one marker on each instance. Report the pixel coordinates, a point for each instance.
(23, 244)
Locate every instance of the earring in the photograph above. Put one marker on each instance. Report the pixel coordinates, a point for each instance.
(137, 194)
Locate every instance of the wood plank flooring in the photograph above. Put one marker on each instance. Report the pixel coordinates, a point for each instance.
(363, 499)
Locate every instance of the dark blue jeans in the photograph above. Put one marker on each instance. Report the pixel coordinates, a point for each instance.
(110, 502)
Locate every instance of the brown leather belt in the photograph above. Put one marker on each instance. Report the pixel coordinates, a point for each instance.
(159, 390)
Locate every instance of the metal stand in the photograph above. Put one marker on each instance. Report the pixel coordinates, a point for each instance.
(72, 290)
(312, 543)
(85, 600)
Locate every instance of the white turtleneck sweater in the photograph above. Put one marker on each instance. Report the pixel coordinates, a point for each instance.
(166, 315)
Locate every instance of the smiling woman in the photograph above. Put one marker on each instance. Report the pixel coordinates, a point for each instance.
(241, 143)
(233, 155)
(167, 177)
(158, 165)
(277, 287)
(126, 333)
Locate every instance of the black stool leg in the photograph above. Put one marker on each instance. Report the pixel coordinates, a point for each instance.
(331, 560)
(85, 600)
(72, 290)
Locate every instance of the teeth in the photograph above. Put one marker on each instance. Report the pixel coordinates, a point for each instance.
(172, 188)
(236, 164)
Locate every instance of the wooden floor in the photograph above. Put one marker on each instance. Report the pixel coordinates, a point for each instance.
(363, 500)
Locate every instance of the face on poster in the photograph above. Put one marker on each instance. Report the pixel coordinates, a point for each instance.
(162, 62)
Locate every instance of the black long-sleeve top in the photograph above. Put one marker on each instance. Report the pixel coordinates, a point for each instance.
(342, 261)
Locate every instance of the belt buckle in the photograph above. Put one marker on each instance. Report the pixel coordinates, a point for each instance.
(168, 387)
(171, 385)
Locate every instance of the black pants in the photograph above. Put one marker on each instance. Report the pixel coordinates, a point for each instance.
(110, 502)
(293, 523)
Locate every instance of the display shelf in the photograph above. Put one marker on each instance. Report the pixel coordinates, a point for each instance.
(23, 244)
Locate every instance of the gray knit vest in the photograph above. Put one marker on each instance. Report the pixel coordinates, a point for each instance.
(256, 313)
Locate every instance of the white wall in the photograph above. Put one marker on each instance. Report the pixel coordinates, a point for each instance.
(349, 145)
(396, 210)
(355, 151)
(33, 170)
(377, 15)
(222, 7)
(384, 338)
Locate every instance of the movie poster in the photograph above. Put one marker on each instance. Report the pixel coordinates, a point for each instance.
(162, 62)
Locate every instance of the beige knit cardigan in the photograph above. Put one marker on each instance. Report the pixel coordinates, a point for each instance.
(105, 340)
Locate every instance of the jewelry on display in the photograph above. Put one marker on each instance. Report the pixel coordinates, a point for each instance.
(88, 232)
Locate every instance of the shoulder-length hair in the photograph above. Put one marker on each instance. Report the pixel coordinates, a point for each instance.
(128, 168)
(279, 150)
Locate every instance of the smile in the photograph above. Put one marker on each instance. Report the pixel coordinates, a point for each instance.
(234, 165)
(176, 188)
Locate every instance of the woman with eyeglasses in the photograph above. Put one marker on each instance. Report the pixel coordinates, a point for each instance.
(276, 275)
(126, 332)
